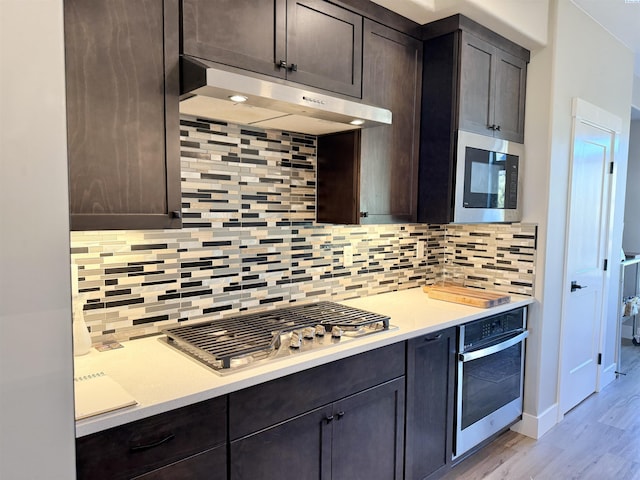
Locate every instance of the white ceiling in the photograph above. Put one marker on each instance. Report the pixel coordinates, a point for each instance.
(621, 18)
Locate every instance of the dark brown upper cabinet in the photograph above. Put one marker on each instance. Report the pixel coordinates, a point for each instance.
(474, 80)
(483, 75)
(492, 90)
(247, 34)
(312, 42)
(122, 86)
(370, 176)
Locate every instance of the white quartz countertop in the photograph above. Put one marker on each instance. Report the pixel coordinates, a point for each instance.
(161, 378)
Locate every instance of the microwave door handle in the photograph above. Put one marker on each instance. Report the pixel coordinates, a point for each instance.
(467, 357)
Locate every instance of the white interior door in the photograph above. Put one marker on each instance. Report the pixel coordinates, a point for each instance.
(586, 251)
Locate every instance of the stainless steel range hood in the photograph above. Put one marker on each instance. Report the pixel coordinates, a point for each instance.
(206, 92)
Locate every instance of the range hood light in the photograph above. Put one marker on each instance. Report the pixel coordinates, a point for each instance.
(357, 122)
(238, 98)
(210, 92)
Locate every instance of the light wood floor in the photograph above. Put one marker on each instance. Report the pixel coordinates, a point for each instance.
(597, 440)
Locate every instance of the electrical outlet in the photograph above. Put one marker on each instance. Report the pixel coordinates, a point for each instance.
(420, 249)
(348, 256)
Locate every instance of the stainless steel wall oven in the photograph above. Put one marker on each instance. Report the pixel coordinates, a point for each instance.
(490, 377)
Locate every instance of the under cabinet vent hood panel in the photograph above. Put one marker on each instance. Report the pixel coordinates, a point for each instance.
(206, 91)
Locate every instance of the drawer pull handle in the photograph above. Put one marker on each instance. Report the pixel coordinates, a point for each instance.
(434, 338)
(140, 448)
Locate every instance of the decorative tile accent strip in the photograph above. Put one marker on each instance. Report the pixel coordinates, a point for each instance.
(249, 241)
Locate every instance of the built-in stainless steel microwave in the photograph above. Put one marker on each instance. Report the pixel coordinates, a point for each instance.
(487, 184)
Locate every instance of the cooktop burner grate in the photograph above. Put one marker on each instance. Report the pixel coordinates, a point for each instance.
(219, 341)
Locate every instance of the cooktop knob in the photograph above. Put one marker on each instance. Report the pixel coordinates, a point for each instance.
(309, 332)
(336, 332)
(320, 330)
(296, 340)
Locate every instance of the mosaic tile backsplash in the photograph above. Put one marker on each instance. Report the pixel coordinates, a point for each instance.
(250, 241)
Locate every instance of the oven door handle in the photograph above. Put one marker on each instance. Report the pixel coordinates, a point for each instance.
(498, 347)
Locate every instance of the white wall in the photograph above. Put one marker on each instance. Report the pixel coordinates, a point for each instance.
(635, 101)
(631, 240)
(36, 379)
(535, 193)
(586, 54)
(580, 56)
(522, 22)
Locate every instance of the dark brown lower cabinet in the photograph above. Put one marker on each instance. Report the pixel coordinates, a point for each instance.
(185, 441)
(368, 434)
(430, 404)
(358, 437)
(340, 421)
(292, 449)
(209, 465)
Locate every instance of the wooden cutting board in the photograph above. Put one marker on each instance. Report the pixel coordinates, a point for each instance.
(466, 295)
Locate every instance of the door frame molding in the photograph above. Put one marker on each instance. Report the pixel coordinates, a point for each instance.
(587, 113)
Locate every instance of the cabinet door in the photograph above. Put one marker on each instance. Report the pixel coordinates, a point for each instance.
(122, 113)
(297, 449)
(211, 465)
(392, 66)
(324, 46)
(368, 433)
(511, 78)
(439, 119)
(248, 34)
(430, 383)
(492, 90)
(477, 85)
(338, 178)
(261, 406)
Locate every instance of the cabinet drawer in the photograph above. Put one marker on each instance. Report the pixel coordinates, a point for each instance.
(150, 443)
(261, 406)
(211, 465)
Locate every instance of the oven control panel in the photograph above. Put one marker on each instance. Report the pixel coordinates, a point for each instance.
(484, 330)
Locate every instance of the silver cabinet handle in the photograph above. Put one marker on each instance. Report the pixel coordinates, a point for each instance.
(466, 357)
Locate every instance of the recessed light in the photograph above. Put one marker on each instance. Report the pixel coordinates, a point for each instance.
(238, 98)
(357, 122)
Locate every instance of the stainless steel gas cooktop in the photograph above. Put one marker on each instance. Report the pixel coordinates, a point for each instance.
(235, 342)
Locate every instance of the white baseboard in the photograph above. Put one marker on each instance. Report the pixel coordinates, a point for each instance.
(536, 426)
(607, 376)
